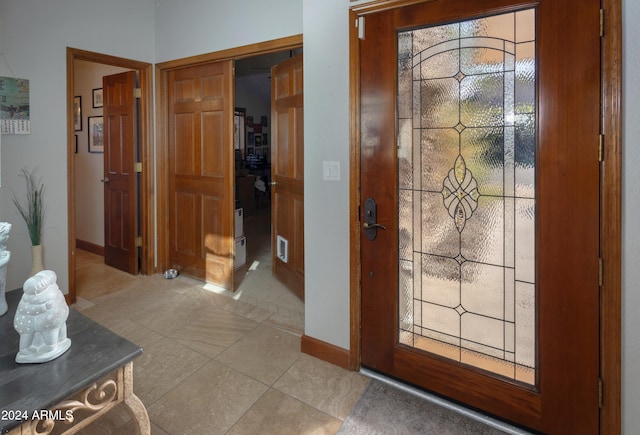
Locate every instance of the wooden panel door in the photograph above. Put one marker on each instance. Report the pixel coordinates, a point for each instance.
(120, 177)
(479, 145)
(201, 165)
(287, 159)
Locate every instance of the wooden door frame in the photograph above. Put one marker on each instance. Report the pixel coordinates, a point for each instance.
(146, 187)
(162, 125)
(610, 210)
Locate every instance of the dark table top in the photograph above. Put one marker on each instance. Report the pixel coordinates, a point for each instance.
(24, 388)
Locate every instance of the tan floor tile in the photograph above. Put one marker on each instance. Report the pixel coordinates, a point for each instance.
(162, 366)
(288, 321)
(104, 315)
(95, 280)
(250, 311)
(155, 430)
(264, 354)
(82, 304)
(130, 428)
(324, 386)
(135, 333)
(109, 423)
(277, 413)
(209, 402)
(236, 304)
(290, 302)
(169, 313)
(213, 331)
(127, 303)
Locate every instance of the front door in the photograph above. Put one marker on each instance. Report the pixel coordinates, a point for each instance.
(287, 160)
(201, 165)
(479, 125)
(120, 177)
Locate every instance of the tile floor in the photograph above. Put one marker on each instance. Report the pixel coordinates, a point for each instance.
(216, 362)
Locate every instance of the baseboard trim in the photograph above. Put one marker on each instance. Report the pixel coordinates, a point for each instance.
(90, 247)
(325, 351)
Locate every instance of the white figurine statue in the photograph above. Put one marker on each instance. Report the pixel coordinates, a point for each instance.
(41, 320)
(5, 256)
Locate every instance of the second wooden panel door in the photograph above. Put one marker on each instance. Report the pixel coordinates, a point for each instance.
(287, 171)
(201, 201)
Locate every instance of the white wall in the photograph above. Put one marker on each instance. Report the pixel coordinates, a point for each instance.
(326, 136)
(631, 219)
(221, 24)
(34, 35)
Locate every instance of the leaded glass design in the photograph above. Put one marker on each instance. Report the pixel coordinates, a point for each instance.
(466, 176)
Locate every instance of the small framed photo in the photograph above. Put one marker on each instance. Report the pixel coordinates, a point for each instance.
(77, 113)
(97, 98)
(96, 134)
(250, 151)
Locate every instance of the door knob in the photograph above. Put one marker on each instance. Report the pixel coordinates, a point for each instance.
(105, 180)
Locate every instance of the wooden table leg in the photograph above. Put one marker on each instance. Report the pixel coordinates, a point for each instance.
(135, 405)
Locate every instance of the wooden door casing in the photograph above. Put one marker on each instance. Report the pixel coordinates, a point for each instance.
(567, 220)
(287, 171)
(201, 198)
(120, 177)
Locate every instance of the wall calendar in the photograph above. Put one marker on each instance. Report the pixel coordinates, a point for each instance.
(14, 106)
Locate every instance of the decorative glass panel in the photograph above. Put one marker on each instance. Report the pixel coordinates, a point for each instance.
(466, 212)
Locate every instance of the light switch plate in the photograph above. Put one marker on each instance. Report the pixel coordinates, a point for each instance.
(331, 170)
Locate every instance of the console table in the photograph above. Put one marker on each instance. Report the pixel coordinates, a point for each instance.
(68, 393)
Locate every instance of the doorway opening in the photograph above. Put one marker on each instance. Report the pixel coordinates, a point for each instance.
(249, 181)
(253, 183)
(85, 164)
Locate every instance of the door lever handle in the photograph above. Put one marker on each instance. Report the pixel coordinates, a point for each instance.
(369, 226)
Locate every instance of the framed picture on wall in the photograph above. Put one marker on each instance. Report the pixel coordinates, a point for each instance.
(96, 134)
(97, 98)
(77, 113)
(239, 131)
